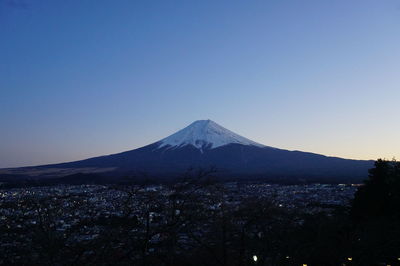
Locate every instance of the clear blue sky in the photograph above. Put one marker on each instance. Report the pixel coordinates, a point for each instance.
(87, 78)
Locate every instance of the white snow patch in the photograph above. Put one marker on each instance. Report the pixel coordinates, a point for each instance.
(205, 134)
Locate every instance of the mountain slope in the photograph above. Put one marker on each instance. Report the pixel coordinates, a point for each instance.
(204, 143)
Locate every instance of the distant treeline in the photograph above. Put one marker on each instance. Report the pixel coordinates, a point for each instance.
(17, 181)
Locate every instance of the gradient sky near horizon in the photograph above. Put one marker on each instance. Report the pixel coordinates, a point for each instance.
(87, 78)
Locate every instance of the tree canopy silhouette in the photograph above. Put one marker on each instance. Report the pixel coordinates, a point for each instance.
(380, 195)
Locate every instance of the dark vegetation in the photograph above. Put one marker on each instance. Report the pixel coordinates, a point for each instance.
(21, 181)
(197, 224)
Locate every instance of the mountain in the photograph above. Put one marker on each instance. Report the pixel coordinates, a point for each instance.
(203, 144)
(205, 134)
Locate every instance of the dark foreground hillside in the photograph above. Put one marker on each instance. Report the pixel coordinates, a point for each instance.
(200, 222)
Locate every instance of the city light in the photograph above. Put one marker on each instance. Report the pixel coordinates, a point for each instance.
(349, 258)
(255, 258)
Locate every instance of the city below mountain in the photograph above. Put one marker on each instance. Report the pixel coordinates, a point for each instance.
(204, 145)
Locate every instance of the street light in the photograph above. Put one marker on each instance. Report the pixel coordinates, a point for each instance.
(255, 258)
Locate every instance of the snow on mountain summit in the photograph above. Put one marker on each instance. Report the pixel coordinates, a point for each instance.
(205, 134)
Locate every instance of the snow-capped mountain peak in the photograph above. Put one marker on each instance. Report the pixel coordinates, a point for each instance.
(205, 134)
